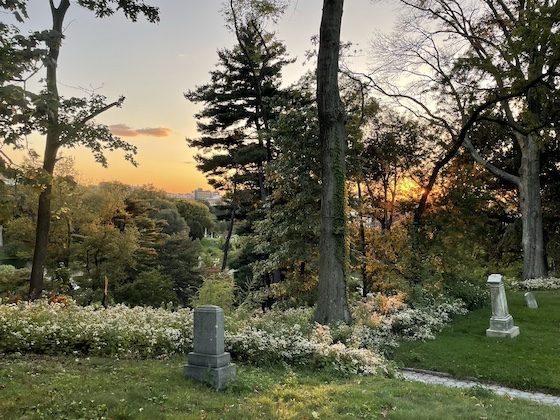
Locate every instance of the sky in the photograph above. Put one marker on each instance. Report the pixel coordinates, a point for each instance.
(152, 65)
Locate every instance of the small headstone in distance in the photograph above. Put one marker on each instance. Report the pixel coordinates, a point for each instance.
(531, 301)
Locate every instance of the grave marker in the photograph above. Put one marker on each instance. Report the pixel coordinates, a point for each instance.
(501, 322)
(209, 363)
(531, 301)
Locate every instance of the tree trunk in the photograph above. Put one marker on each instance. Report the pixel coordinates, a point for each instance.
(105, 301)
(42, 230)
(363, 249)
(531, 210)
(385, 182)
(228, 238)
(331, 305)
(51, 149)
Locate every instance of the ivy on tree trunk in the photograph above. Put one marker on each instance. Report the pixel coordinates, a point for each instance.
(332, 305)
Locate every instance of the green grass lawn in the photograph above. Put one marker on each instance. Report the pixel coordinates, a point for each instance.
(47, 387)
(530, 361)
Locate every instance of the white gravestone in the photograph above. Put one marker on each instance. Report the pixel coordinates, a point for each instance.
(501, 322)
(531, 301)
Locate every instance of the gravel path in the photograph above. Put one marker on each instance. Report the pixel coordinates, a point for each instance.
(436, 378)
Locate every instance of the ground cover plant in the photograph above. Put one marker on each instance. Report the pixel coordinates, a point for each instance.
(69, 387)
(529, 361)
(281, 336)
(63, 327)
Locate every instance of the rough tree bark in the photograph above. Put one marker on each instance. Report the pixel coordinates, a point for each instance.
(228, 238)
(51, 149)
(363, 246)
(531, 210)
(332, 305)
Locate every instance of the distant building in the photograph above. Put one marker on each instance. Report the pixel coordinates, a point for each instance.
(213, 198)
(202, 195)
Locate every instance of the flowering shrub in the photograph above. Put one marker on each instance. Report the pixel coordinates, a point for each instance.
(380, 329)
(550, 283)
(290, 345)
(59, 326)
(381, 321)
(65, 328)
(422, 324)
(292, 317)
(372, 310)
(475, 295)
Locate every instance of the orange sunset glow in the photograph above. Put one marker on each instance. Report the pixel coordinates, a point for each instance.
(153, 65)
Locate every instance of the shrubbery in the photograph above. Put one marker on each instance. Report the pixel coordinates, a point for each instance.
(291, 346)
(150, 288)
(65, 328)
(384, 320)
(217, 289)
(550, 283)
(277, 336)
(13, 282)
(473, 295)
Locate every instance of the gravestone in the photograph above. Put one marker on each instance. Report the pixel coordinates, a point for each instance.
(501, 322)
(531, 301)
(208, 362)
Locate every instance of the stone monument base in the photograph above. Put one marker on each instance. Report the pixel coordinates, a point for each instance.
(209, 360)
(502, 327)
(217, 377)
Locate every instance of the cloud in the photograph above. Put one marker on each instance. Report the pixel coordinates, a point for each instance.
(124, 130)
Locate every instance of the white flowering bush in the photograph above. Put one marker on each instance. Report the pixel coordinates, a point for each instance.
(422, 324)
(289, 345)
(300, 318)
(66, 328)
(381, 338)
(540, 283)
(380, 323)
(278, 336)
(381, 327)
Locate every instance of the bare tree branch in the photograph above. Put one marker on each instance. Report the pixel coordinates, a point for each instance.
(492, 168)
(101, 111)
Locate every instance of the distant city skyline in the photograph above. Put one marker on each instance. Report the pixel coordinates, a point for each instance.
(153, 65)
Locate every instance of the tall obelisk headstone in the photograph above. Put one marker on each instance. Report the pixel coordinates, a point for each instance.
(501, 322)
(209, 362)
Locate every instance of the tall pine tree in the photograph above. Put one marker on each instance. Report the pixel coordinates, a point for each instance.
(239, 104)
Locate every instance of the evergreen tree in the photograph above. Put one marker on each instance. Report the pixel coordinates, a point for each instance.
(289, 234)
(240, 103)
(238, 109)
